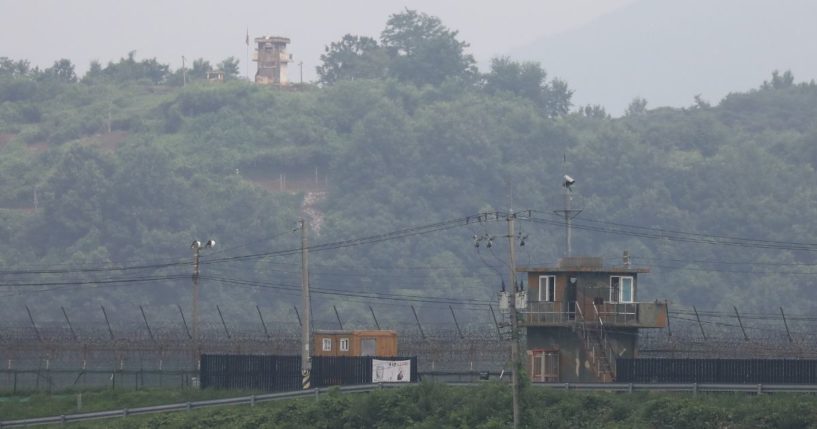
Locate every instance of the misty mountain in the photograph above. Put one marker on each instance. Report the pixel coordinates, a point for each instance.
(668, 51)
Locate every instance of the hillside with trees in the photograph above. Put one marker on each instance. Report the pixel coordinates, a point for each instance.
(108, 177)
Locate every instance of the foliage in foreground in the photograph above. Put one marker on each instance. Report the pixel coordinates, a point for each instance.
(431, 405)
(19, 406)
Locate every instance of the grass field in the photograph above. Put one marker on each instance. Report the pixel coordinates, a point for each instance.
(23, 406)
(429, 405)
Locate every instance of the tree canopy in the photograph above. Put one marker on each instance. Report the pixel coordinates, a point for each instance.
(124, 167)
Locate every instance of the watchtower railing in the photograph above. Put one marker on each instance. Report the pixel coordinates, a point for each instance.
(547, 312)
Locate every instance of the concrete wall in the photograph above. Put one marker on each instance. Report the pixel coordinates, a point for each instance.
(574, 364)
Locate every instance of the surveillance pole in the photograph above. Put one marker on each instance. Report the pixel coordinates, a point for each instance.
(514, 320)
(569, 213)
(306, 362)
(196, 246)
(195, 321)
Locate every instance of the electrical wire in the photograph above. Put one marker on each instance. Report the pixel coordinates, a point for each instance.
(677, 236)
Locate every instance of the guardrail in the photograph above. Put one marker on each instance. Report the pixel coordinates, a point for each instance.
(682, 387)
(187, 406)
(694, 388)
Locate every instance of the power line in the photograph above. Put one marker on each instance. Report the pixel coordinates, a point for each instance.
(355, 294)
(678, 236)
(53, 286)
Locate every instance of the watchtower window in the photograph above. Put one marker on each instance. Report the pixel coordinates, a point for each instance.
(621, 289)
(547, 288)
(327, 344)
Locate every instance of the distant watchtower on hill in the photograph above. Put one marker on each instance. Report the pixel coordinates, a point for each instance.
(272, 59)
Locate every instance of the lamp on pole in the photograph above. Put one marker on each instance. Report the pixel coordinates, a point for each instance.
(197, 246)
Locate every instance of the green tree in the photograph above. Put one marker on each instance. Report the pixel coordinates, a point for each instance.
(636, 107)
(786, 80)
(528, 80)
(423, 51)
(353, 57)
(128, 69)
(11, 68)
(595, 111)
(62, 70)
(94, 72)
(230, 67)
(200, 69)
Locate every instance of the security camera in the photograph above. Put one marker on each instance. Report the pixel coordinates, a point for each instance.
(569, 181)
(210, 243)
(196, 244)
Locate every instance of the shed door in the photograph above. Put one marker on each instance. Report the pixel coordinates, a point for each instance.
(544, 366)
(368, 347)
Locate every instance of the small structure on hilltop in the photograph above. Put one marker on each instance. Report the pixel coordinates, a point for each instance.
(380, 343)
(272, 59)
(215, 76)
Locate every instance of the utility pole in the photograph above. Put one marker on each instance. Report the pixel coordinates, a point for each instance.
(568, 212)
(197, 246)
(514, 320)
(306, 360)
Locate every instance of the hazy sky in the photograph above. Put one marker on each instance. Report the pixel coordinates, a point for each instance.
(43, 31)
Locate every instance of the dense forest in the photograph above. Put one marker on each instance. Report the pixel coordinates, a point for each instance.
(106, 178)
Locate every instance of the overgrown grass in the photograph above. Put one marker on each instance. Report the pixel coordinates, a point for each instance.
(488, 406)
(23, 406)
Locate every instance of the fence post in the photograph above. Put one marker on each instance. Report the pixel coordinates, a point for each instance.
(262, 321)
(699, 322)
(150, 332)
(338, 316)
(223, 322)
(740, 322)
(498, 332)
(105, 313)
(34, 325)
(298, 315)
(786, 324)
(64, 313)
(419, 326)
(375, 318)
(455, 321)
(186, 329)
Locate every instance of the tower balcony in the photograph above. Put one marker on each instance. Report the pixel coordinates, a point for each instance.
(612, 315)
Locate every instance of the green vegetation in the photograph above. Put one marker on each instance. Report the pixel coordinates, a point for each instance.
(126, 167)
(431, 405)
(13, 407)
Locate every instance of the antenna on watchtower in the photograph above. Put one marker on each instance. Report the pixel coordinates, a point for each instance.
(567, 213)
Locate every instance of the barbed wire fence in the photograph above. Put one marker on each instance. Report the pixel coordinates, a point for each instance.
(143, 352)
